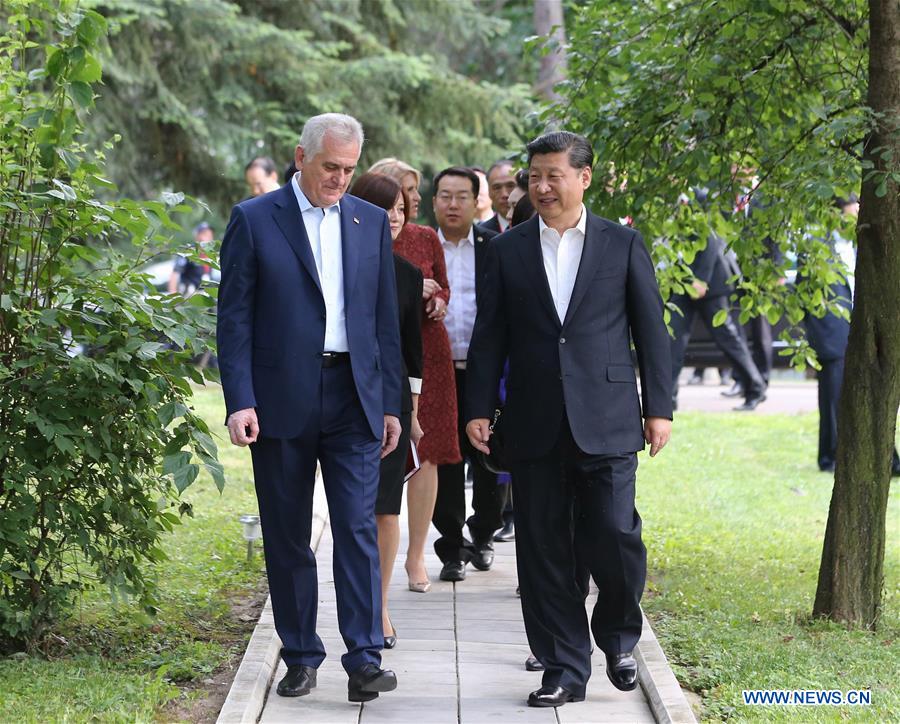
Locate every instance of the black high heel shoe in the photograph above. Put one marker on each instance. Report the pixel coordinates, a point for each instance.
(391, 641)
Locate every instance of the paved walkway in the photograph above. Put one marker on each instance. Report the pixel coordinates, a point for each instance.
(782, 397)
(459, 658)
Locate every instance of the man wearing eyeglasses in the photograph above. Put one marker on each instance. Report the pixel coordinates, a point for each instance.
(465, 245)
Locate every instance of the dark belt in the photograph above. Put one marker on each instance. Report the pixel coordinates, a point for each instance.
(333, 359)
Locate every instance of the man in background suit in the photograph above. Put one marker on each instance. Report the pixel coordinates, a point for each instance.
(310, 364)
(712, 291)
(464, 244)
(563, 295)
(501, 181)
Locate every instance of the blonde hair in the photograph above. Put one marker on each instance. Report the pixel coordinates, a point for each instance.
(394, 168)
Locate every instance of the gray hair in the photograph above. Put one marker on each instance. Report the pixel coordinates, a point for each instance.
(339, 125)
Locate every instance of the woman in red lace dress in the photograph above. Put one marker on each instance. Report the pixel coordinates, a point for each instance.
(437, 402)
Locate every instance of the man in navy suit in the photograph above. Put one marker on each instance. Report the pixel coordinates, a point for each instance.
(564, 295)
(310, 363)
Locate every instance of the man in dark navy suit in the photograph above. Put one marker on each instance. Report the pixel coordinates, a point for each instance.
(564, 295)
(310, 364)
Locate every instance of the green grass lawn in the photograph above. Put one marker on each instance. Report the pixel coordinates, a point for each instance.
(734, 517)
(734, 513)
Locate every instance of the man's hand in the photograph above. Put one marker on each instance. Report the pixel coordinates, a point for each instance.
(416, 433)
(429, 288)
(243, 427)
(700, 288)
(479, 432)
(657, 431)
(391, 435)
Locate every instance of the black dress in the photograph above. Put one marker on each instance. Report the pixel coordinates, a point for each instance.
(409, 303)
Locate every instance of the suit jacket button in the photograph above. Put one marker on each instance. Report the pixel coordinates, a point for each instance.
(562, 340)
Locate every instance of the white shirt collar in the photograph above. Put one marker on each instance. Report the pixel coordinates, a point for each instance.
(305, 203)
(470, 238)
(580, 226)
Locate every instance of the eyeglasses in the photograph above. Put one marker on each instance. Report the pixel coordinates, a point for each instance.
(445, 197)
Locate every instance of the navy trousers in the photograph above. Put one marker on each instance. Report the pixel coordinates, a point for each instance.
(339, 437)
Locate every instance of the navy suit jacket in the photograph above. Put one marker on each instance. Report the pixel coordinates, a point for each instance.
(271, 318)
(581, 367)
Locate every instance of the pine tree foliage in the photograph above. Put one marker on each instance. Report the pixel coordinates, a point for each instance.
(198, 87)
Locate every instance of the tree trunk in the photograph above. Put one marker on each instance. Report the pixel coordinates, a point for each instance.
(851, 572)
(549, 23)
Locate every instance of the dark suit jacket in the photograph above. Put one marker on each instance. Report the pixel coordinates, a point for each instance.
(582, 367)
(271, 319)
(409, 302)
(710, 266)
(482, 236)
(492, 224)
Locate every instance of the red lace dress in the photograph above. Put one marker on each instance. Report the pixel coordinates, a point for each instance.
(437, 403)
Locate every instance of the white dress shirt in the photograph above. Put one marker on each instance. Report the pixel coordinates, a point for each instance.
(562, 256)
(460, 319)
(323, 227)
(502, 222)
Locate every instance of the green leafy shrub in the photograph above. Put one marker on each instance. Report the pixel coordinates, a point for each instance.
(96, 435)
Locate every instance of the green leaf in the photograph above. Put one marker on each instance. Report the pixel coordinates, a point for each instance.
(175, 462)
(82, 93)
(184, 476)
(773, 315)
(21, 575)
(720, 317)
(88, 69)
(148, 350)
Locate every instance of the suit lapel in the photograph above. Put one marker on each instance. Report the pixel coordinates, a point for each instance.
(349, 246)
(533, 258)
(289, 219)
(595, 241)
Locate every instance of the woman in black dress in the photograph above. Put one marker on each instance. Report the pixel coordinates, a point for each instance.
(388, 194)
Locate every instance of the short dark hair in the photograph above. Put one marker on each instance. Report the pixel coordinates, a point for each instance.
(289, 171)
(522, 211)
(522, 179)
(381, 190)
(498, 164)
(580, 152)
(262, 162)
(457, 171)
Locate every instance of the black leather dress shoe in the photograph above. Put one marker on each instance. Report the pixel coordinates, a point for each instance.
(532, 663)
(453, 571)
(736, 390)
(483, 557)
(368, 681)
(506, 533)
(552, 696)
(751, 402)
(391, 641)
(298, 680)
(622, 671)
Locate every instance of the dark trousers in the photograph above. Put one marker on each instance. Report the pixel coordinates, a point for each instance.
(761, 346)
(488, 498)
(830, 378)
(727, 338)
(575, 510)
(339, 437)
